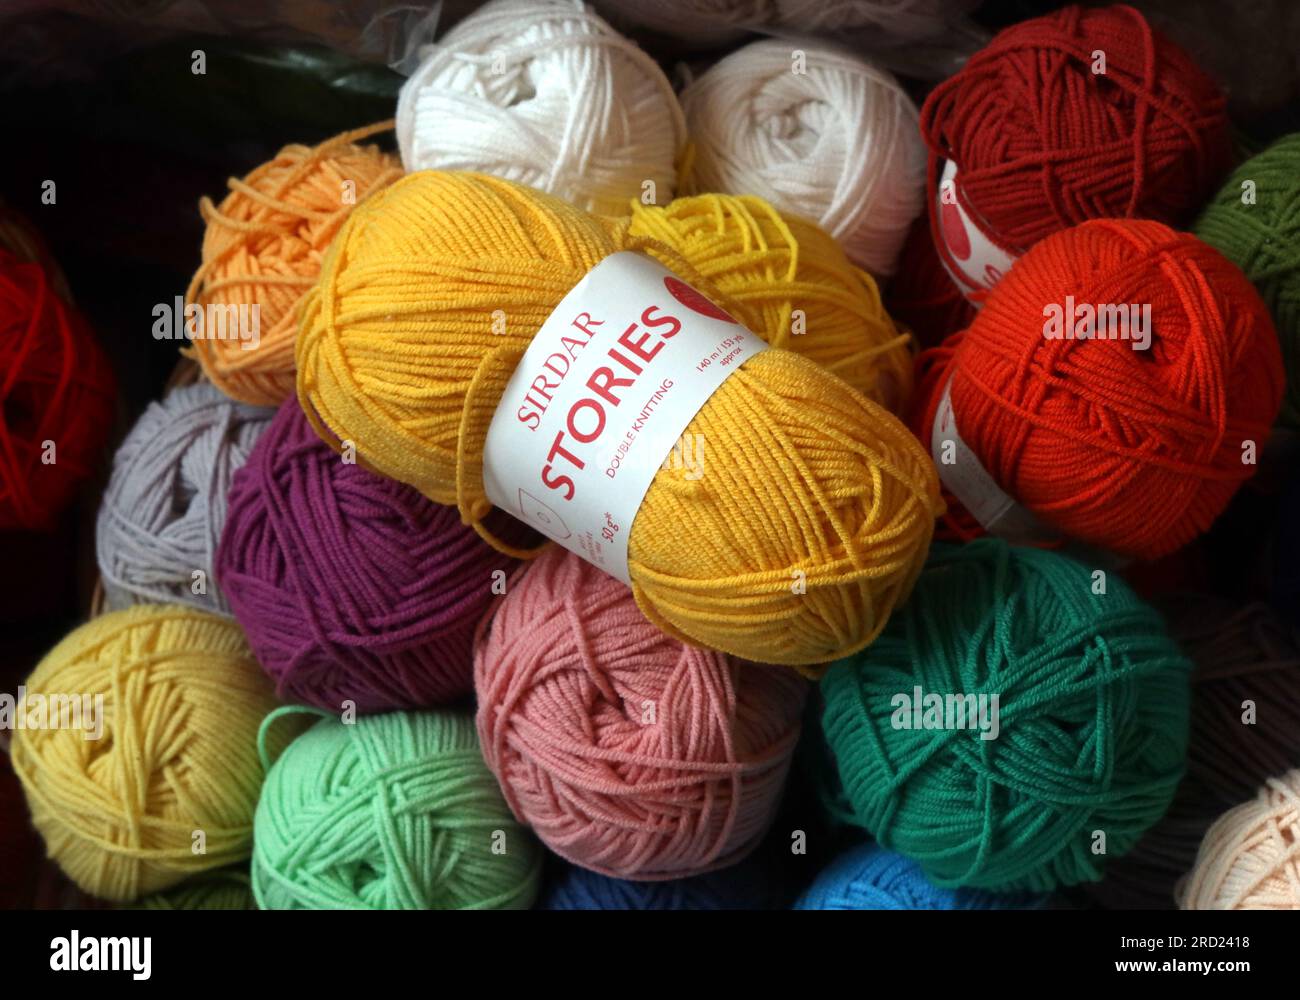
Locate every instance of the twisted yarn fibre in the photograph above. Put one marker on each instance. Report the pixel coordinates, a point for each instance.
(868, 877)
(1043, 139)
(1243, 655)
(262, 247)
(789, 282)
(624, 750)
(56, 390)
(1250, 858)
(182, 699)
(812, 483)
(163, 512)
(1074, 429)
(545, 93)
(1092, 719)
(392, 812)
(838, 143)
(921, 297)
(351, 587)
(746, 886)
(1262, 237)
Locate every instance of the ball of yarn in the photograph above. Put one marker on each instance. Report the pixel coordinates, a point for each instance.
(1087, 737)
(626, 751)
(1044, 134)
(921, 297)
(546, 93)
(351, 587)
(789, 282)
(821, 491)
(1250, 858)
(262, 248)
(1076, 429)
(227, 889)
(391, 812)
(166, 702)
(836, 142)
(746, 886)
(1247, 661)
(868, 877)
(57, 397)
(163, 512)
(1254, 221)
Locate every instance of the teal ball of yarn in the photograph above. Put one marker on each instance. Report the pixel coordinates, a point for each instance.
(868, 877)
(1018, 721)
(390, 812)
(1254, 221)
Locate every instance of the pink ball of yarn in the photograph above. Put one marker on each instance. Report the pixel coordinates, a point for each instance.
(627, 752)
(350, 586)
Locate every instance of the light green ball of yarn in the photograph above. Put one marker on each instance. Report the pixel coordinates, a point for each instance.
(1254, 221)
(390, 812)
(224, 889)
(1089, 736)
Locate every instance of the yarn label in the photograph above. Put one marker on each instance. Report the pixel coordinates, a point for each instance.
(966, 478)
(599, 403)
(974, 262)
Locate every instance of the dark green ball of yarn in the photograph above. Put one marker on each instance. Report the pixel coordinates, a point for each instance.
(1092, 721)
(1263, 239)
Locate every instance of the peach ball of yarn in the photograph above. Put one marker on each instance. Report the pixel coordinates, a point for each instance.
(1250, 857)
(627, 752)
(263, 247)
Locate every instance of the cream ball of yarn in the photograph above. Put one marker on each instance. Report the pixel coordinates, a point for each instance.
(545, 93)
(829, 137)
(1250, 857)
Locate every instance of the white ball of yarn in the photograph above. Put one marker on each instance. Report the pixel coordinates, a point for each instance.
(1250, 857)
(838, 143)
(545, 93)
(162, 514)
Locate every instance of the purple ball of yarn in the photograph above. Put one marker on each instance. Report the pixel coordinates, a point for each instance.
(350, 586)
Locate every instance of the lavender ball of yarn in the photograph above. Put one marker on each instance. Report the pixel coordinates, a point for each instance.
(165, 506)
(350, 586)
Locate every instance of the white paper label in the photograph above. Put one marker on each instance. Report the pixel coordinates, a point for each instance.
(977, 263)
(966, 478)
(600, 400)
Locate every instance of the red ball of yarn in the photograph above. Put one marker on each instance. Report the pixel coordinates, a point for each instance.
(1135, 451)
(56, 398)
(627, 752)
(1042, 140)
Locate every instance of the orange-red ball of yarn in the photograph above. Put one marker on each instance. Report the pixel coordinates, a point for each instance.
(57, 396)
(1135, 451)
(627, 752)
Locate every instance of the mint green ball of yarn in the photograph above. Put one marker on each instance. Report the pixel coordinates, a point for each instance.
(389, 812)
(1090, 727)
(1254, 221)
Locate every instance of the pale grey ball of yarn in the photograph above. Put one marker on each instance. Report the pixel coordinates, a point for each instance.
(162, 514)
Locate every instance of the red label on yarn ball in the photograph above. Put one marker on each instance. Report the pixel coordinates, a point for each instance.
(694, 301)
(974, 262)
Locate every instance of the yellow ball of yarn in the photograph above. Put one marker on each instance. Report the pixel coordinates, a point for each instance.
(263, 247)
(180, 700)
(815, 508)
(790, 283)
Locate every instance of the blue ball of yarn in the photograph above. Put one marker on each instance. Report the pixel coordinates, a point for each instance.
(868, 877)
(742, 887)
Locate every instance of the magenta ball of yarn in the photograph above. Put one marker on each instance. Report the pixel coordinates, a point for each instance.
(351, 587)
(627, 752)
